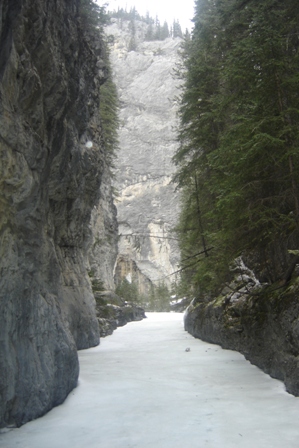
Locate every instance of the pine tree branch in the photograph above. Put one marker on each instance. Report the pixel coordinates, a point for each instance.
(199, 253)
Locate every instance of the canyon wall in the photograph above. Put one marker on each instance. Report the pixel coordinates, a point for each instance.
(148, 204)
(55, 202)
(258, 320)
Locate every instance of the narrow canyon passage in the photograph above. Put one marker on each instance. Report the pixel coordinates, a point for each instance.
(141, 389)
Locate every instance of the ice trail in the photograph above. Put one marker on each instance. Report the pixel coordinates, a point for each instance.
(141, 389)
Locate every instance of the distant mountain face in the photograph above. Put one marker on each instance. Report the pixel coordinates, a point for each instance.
(147, 204)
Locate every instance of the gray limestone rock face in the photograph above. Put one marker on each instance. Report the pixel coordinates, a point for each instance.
(102, 251)
(53, 183)
(148, 204)
(260, 322)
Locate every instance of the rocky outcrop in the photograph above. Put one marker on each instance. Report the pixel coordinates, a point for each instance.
(127, 268)
(260, 321)
(147, 205)
(103, 249)
(52, 170)
(113, 312)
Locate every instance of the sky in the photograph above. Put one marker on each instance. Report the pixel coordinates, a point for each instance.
(165, 9)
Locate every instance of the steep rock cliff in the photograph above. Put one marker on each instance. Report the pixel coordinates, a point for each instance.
(147, 204)
(52, 165)
(257, 320)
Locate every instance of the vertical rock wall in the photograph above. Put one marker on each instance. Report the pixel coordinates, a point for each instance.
(103, 249)
(50, 181)
(148, 205)
(264, 327)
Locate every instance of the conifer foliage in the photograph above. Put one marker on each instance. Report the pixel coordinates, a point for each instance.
(238, 158)
(94, 18)
(155, 31)
(92, 15)
(109, 108)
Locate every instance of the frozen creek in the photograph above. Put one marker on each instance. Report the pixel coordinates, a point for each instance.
(141, 389)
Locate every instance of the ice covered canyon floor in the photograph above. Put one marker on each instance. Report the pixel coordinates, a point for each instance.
(141, 389)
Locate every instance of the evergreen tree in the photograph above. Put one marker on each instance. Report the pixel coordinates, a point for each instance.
(132, 27)
(92, 15)
(160, 298)
(109, 108)
(200, 130)
(257, 160)
(148, 18)
(164, 31)
(157, 35)
(128, 291)
(149, 35)
(176, 29)
(238, 156)
(94, 18)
